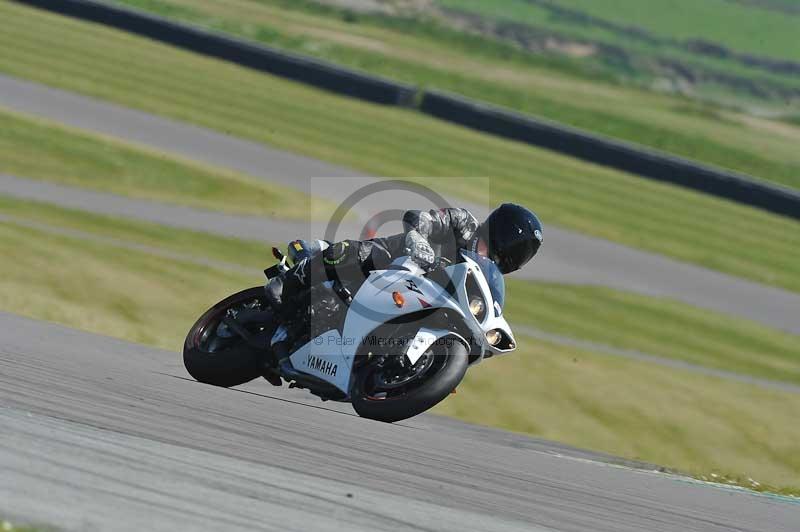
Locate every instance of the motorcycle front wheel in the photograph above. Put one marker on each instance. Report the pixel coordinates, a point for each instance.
(215, 354)
(389, 392)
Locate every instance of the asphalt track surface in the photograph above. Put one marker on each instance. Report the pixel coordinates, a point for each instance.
(101, 434)
(565, 257)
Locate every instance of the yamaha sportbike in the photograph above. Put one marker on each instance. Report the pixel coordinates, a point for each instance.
(393, 345)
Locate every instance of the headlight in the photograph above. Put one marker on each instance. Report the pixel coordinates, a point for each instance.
(477, 306)
(477, 303)
(494, 337)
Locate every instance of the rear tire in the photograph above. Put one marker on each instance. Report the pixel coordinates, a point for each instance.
(230, 365)
(454, 358)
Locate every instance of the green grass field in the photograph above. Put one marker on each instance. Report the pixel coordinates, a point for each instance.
(134, 295)
(698, 424)
(741, 26)
(758, 28)
(701, 425)
(432, 55)
(38, 149)
(245, 253)
(392, 142)
(657, 326)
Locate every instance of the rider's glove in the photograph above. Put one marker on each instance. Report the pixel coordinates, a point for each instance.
(420, 251)
(301, 249)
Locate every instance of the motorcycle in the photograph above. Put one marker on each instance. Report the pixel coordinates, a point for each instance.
(397, 347)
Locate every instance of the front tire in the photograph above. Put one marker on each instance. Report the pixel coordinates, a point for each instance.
(449, 360)
(224, 361)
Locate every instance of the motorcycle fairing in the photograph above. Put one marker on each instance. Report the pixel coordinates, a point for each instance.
(425, 338)
(372, 306)
(493, 320)
(322, 357)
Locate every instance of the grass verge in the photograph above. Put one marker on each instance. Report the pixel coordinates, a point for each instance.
(656, 326)
(248, 254)
(43, 150)
(8, 526)
(113, 65)
(694, 423)
(108, 290)
(705, 426)
(109, 286)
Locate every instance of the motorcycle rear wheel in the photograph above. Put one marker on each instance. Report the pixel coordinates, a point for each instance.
(224, 361)
(447, 364)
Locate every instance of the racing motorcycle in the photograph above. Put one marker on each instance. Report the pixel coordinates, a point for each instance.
(393, 345)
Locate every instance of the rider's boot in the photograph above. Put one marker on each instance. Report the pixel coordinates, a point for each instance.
(273, 290)
(283, 294)
(269, 367)
(280, 352)
(272, 376)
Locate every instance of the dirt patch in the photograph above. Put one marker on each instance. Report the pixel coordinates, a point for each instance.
(347, 39)
(388, 7)
(572, 49)
(769, 126)
(361, 6)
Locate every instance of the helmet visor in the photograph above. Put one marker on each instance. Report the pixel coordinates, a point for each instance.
(515, 256)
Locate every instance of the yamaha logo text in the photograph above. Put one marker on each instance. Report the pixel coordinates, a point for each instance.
(323, 366)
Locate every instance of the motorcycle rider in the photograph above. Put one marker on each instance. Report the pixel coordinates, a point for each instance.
(510, 237)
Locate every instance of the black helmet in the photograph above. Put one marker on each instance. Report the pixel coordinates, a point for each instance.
(513, 235)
